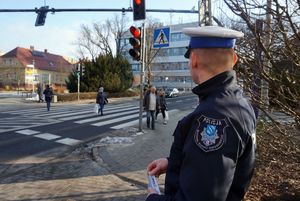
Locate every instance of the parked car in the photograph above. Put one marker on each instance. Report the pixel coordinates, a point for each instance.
(171, 92)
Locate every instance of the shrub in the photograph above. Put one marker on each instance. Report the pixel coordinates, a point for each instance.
(92, 95)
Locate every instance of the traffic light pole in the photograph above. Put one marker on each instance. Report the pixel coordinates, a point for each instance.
(142, 64)
(78, 82)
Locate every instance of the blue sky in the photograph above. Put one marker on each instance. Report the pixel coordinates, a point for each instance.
(61, 29)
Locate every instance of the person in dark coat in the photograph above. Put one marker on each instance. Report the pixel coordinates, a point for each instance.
(101, 100)
(213, 152)
(48, 96)
(150, 105)
(162, 105)
(40, 92)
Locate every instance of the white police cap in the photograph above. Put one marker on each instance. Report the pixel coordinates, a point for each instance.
(211, 37)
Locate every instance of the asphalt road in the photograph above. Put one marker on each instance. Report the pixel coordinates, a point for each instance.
(29, 130)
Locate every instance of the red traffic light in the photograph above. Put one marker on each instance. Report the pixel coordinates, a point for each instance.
(136, 42)
(139, 10)
(138, 2)
(136, 32)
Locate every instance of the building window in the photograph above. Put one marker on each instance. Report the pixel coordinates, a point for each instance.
(179, 37)
(178, 51)
(170, 66)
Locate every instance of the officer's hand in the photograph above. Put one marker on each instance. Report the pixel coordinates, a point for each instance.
(151, 191)
(158, 167)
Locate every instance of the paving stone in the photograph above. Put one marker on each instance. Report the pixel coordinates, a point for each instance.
(118, 175)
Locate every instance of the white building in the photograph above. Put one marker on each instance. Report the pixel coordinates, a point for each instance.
(169, 69)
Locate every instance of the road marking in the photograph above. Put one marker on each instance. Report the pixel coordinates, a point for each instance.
(178, 101)
(70, 112)
(135, 122)
(107, 116)
(69, 141)
(93, 114)
(27, 132)
(47, 136)
(125, 125)
(116, 120)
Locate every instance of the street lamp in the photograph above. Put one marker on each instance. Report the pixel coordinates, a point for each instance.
(166, 78)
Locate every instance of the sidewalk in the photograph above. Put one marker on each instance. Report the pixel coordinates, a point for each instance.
(96, 171)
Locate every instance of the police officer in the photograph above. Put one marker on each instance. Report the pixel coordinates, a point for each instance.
(212, 155)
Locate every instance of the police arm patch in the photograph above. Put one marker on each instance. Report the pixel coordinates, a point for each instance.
(210, 134)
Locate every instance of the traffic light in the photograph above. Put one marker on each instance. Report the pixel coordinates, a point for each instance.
(136, 42)
(41, 17)
(139, 11)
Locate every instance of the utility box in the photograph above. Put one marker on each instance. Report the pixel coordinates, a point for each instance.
(54, 99)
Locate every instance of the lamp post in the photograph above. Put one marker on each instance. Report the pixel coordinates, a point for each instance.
(166, 78)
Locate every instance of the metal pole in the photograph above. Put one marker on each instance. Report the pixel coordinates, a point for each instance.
(78, 86)
(209, 13)
(54, 10)
(199, 12)
(142, 64)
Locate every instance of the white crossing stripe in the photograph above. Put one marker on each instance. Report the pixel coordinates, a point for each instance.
(108, 116)
(27, 132)
(14, 123)
(14, 126)
(92, 113)
(69, 141)
(135, 122)
(178, 101)
(43, 110)
(47, 136)
(125, 125)
(115, 120)
(69, 112)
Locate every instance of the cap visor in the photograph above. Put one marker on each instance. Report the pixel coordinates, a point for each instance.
(187, 54)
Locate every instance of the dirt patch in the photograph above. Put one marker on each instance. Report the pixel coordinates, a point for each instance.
(277, 173)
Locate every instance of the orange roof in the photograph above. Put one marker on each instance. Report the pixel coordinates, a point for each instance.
(42, 60)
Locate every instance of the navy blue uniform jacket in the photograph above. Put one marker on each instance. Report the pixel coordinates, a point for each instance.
(212, 155)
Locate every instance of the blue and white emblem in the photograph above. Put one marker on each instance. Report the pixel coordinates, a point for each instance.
(210, 134)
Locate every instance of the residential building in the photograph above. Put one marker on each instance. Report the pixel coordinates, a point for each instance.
(169, 69)
(23, 68)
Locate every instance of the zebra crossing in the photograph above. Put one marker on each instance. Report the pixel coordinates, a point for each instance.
(117, 115)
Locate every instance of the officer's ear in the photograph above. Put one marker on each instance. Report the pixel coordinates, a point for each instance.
(193, 59)
(235, 58)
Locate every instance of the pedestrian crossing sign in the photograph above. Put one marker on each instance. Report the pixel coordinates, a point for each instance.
(161, 37)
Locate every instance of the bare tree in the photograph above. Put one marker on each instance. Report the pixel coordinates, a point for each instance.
(270, 52)
(150, 51)
(102, 38)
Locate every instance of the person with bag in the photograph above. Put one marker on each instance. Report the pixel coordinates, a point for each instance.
(101, 100)
(48, 96)
(150, 105)
(162, 106)
(213, 153)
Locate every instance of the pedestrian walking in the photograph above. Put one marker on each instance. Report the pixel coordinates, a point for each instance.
(162, 105)
(101, 100)
(150, 105)
(213, 152)
(48, 96)
(40, 92)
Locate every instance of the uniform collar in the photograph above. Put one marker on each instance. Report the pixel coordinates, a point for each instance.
(220, 81)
